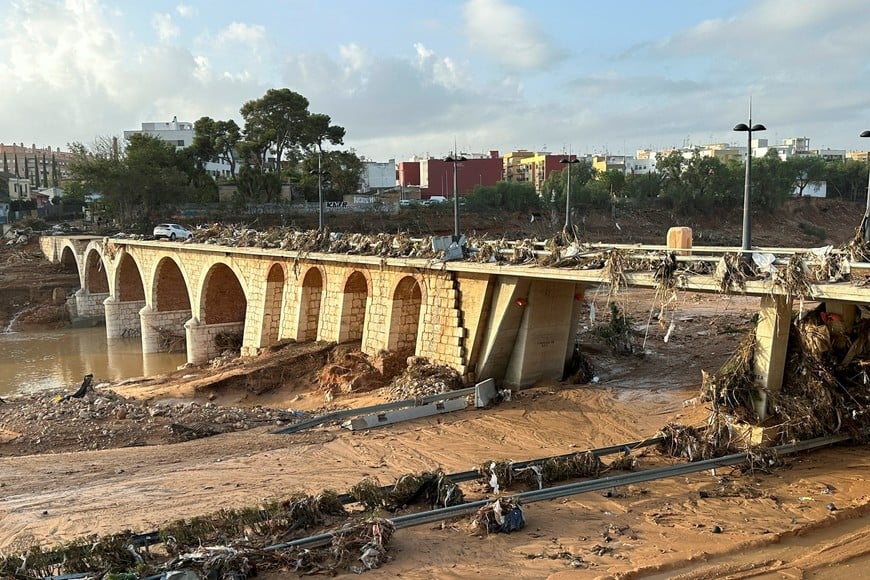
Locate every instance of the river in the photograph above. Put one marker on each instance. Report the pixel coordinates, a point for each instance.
(58, 359)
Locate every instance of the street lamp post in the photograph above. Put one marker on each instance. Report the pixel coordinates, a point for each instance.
(455, 160)
(320, 173)
(569, 227)
(867, 209)
(749, 128)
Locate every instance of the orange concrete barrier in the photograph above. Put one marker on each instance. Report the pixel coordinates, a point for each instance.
(680, 239)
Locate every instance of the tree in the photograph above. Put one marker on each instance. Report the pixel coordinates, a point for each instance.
(803, 170)
(216, 141)
(847, 180)
(135, 183)
(504, 195)
(5, 163)
(554, 188)
(316, 130)
(772, 182)
(257, 186)
(274, 122)
(697, 183)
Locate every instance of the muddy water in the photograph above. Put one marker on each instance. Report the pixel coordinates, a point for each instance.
(58, 359)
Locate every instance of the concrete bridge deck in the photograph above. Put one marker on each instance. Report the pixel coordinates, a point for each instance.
(513, 323)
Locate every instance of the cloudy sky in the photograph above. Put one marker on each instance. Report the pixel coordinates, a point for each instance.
(407, 77)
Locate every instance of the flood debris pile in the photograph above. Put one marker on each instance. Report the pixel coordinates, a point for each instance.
(618, 332)
(101, 418)
(556, 251)
(503, 515)
(825, 390)
(237, 552)
(351, 371)
(503, 474)
(261, 525)
(422, 378)
(436, 489)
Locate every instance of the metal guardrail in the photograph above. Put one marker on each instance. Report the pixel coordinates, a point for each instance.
(431, 516)
(373, 409)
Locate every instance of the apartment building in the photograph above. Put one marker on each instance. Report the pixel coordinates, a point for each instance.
(51, 163)
(180, 134)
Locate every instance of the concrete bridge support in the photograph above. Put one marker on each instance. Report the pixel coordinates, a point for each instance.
(201, 344)
(771, 347)
(546, 330)
(530, 332)
(90, 304)
(123, 318)
(156, 326)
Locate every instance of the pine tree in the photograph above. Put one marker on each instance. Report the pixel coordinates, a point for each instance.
(36, 170)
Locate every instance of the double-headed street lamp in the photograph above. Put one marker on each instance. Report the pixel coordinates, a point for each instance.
(569, 227)
(320, 174)
(455, 160)
(867, 209)
(747, 185)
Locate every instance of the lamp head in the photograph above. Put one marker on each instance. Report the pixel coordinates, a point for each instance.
(741, 127)
(865, 134)
(758, 127)
(569, 160)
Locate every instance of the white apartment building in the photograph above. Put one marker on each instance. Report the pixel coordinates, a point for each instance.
(180, 134)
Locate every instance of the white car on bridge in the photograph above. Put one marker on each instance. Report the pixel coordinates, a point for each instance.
(171, 231)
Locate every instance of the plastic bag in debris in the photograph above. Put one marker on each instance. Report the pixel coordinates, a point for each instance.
(506, 523)
(764, 262)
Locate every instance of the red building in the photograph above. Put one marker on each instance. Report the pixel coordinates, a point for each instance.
(436, 175)
(409, 173)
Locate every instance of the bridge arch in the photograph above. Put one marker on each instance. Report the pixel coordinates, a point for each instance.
(310, 298)
(127, 300)
(68, 261)
(223, 299)
(167, 310)
(128, 280)
(96, 280)
(354, 304)
(273, 306)
(95, 285)
(169, 289)
(405, 313)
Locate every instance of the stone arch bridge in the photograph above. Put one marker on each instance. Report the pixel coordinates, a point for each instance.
(514, 324)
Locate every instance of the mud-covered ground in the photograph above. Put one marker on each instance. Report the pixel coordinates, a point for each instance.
(143, 453)
(804, 519)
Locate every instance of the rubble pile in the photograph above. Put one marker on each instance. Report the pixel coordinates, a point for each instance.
(825, 390)
(103, 419)
(423, 378)
(350, 372)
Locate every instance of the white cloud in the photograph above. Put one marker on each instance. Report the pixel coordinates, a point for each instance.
(353, 56)
(508, 34)
(185, 10)
(241, 33)
(441, 71)
(164, 27)
(202, 72)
